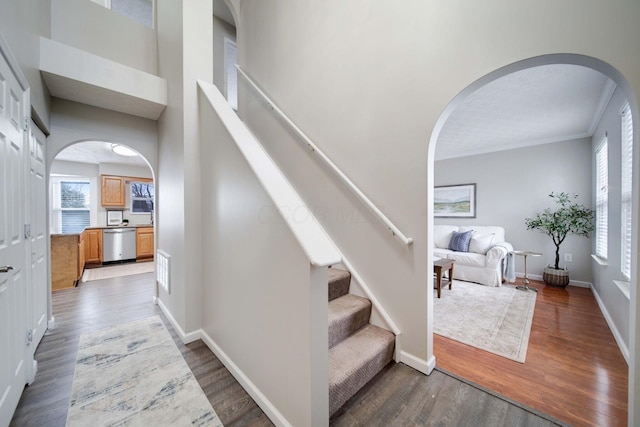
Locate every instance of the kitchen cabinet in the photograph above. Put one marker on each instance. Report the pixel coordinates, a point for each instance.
(65, 261)
(144, 242)
(112, 193)
(93, 246)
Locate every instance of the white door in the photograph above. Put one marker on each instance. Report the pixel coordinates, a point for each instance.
(13, 271)
(37, 289)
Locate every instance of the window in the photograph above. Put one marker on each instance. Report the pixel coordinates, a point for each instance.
(138, 10)
(602, 180)
(73, 206)
(626, 174)
(141, 197)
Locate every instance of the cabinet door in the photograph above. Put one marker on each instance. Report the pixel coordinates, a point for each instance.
(93, 246)
(112, 191)
(144, 242)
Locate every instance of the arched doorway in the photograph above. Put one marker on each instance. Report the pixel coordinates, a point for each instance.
(100, 193)
(624, 325)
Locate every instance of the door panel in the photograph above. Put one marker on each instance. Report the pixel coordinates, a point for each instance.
(12, 243)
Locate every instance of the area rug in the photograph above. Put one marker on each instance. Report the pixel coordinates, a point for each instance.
(133, 374)
(117, 270)
(495, 319)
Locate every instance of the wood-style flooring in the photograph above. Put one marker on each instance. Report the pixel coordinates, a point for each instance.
(574, 370)
(397, 396)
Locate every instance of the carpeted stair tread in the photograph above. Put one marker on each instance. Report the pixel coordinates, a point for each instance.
(355, 361)
(339, 281)
(347, 314)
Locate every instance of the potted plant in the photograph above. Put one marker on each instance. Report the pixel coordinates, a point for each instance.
(567, 218)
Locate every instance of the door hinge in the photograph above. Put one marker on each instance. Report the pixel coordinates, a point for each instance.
(27, 231)
(27, 123)
(29, 336)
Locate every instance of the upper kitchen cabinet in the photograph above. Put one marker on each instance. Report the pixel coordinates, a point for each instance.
(113, 191)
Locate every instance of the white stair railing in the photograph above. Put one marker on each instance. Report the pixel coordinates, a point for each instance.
(390, 225)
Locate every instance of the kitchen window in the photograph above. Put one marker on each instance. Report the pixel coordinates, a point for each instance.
(142, 194)
(72, 201)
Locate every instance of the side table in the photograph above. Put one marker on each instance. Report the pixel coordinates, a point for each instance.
(526, 254)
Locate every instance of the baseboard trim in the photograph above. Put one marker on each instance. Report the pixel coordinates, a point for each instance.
(418, 364)
(538, 277)
(51, 324)
(186, 338)
(612, 326)
(265, 404)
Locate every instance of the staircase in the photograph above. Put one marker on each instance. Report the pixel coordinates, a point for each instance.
(358, 350)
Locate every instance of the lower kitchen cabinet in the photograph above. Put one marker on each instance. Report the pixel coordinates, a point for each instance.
(93, 246)
(144, 242)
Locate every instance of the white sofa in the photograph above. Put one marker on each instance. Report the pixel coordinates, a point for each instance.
(485, 261)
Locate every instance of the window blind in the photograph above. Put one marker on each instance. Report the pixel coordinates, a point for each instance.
(626, 185)
(602, 180)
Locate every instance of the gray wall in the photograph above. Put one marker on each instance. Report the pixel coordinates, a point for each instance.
(616, 303)
(512, 185)
(21, 24)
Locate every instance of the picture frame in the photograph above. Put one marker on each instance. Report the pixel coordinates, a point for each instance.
(454, 201)
(114, 218)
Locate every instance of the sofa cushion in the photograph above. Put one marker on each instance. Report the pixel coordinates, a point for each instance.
(441, 253)
(442, 235)
(468, 258)
(460, 241)
(497, 231)
(480, 244)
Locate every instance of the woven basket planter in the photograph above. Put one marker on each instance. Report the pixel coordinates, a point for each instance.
(556, 278)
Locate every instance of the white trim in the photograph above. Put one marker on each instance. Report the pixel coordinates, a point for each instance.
(538, 277)
(605, 96)
(186, 338)
(602, 262)
(51, 324)
(420, 365)
(265, 404)
(624, 286)
(13, 64)
(612, 326)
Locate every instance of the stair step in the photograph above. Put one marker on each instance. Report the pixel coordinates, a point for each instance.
(339, 281)
(355, 361)
(347, 314)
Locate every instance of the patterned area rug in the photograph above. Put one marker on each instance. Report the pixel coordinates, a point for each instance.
(117, 270)
(495, 319)
(133, 374)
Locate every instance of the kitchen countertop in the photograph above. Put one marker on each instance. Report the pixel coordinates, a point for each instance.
(120, 226)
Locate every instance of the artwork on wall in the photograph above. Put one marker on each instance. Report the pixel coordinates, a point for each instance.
(455, 201)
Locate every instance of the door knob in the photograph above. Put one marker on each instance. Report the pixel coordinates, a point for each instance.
(5, 269)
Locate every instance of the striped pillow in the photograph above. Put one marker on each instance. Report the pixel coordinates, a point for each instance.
(460, 241)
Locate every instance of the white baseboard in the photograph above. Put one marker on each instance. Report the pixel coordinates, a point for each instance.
(612, 326)
(51, 324)
(186, 338)
(418, 364)
(538, 277)
(265, 404)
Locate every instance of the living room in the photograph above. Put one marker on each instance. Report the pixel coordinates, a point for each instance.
(514, 183)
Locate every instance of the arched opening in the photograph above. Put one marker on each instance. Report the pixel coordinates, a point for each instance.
(102, 199)
(225, 52)
(512, 173)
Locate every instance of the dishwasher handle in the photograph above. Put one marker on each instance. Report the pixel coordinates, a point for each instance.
(119, 231)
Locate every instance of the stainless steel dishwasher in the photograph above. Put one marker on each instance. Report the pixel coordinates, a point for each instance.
(118, 244)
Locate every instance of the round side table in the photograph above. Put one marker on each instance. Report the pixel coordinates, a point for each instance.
(526, 254)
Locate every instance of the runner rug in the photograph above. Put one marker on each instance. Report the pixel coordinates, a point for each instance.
(133, 374)
(495, 319)
(117, 270)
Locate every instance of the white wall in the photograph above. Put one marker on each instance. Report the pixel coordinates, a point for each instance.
(100, 31)
(512, 185)
(21, 24)
(185, 54)
(616, 303)
(368, 83)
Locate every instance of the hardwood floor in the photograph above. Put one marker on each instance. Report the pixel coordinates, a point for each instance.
(398, 396)
(574, 370)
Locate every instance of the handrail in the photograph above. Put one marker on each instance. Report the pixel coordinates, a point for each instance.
(391, 226)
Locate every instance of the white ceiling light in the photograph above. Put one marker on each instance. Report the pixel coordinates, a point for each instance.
(122, 150)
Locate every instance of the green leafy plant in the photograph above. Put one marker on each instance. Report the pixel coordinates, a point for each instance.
(567, 218)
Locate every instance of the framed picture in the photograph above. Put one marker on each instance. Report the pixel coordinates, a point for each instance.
(455, 201)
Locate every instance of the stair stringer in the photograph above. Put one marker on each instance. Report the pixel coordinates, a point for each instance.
(379, 316)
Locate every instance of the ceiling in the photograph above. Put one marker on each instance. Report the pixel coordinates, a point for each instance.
(97, 152)
(538, 105)
(221, 10)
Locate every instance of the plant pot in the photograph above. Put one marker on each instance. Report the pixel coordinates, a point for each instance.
(558, 278)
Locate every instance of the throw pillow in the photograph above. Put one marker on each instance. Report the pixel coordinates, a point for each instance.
(460, 241)
(481, 244)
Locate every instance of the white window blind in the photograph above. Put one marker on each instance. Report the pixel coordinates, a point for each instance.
(74, 206)
(626, 184)
(602, 180)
